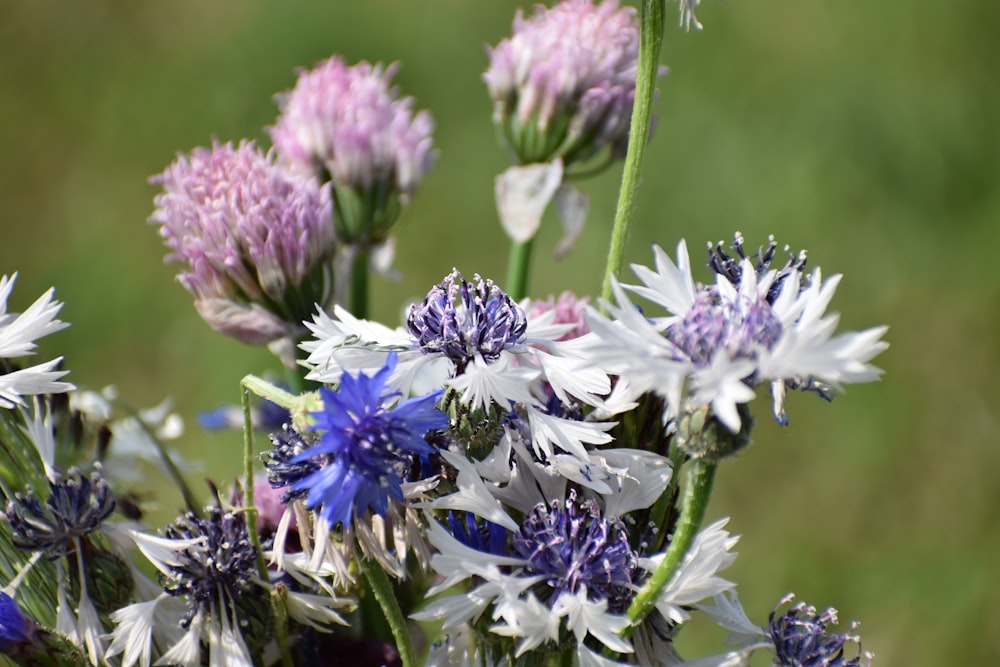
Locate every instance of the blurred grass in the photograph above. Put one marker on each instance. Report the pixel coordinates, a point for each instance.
(865, 132)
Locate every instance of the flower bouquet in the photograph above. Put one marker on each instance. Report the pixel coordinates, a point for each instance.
(502, 480)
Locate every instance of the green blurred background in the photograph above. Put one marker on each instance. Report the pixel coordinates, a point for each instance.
(865, 132)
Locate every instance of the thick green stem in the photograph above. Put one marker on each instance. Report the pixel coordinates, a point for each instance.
(358, 296)
(518, 268)
(650, 40)
(697, 491)
(381, 588)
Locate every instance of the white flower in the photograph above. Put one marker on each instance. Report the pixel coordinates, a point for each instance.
(18, 333)
(754, 325)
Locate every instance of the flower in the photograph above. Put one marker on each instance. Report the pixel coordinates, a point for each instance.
(257, 239)
(366, 446)
(76, 506)
(562, 85)
(569, 309)
(473, 339)
(754, 325)
(463, 321)
(347, 125)
(573, 564)
(18, 333)
(799, 636)
(16, 629)
(215, 572)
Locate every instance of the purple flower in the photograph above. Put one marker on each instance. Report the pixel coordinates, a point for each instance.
(463, 320)
(257, 239)
(562, 85)
(802, 638)
(215, 570)
(347, 125)
(366, 446)
(573, 546)
(76, 506)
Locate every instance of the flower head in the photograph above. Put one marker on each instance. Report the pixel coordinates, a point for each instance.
(366, 447)
(77, 505)
(349, 126)
(575, 548)
(562, 84)
(16, 629)
(257, 239)
(18, 333)
(755, 324)
(214, 571)
(802, 637)
(569, 309)
(464, 321)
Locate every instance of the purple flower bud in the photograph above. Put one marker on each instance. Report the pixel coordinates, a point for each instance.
(562, 85)
(347, 125)
(257, 239)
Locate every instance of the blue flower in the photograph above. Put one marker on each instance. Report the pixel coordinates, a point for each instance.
(16, 629)
(366, 446)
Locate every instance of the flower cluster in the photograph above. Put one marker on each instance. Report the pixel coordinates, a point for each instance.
(509, 481)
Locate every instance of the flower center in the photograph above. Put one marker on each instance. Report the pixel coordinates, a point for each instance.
(461, 320)
(76, 506)
(802, 638)
(573, 546)
(714, 323)
(223, 563)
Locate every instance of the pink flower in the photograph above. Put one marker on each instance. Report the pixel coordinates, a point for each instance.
(562, 85)
(569, 310)
(257, 239)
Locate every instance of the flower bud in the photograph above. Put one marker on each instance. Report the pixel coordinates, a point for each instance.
(562, 85)
(701, 435)
(347, 125)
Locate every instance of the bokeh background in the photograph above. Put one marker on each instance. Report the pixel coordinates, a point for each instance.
(865, 132)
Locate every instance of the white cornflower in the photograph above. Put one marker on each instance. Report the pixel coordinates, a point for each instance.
(18, 333)
(754, 325)
(492, 355)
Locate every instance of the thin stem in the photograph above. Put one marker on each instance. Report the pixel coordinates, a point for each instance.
(697, 491)
(518, 268)
(358, 296)
(251, 509)
(381, 588)
(172, 470)
(650, 40)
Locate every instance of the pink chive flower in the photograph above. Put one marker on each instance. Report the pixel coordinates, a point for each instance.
(257, 240)
(562, 85)
(569, 309)
(347, 125)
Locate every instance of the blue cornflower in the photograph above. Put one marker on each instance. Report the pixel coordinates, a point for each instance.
(365, 445)
(16, 629)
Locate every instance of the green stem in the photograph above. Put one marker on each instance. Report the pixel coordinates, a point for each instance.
(248, 456)
(697, 491)
(381, 588)
(518, 268)
(650, 40)
(265, 389)
(168, 463)
(358, 297)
